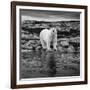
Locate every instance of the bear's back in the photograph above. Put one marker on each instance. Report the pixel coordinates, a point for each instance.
(44, 32)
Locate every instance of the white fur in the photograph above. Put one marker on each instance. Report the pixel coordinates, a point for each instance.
(48, 36)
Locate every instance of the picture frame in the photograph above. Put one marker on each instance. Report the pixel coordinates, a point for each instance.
(48, 15)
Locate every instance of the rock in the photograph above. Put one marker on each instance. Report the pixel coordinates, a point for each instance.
(70, 49)
(65, 43)
(60, 48)
(38, 47)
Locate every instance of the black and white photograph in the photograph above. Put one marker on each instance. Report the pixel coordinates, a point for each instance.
(49, 43)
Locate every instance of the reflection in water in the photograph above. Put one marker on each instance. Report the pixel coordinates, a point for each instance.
(35, 64)
(48, 63)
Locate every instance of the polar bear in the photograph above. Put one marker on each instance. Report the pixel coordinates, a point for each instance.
(48, 37)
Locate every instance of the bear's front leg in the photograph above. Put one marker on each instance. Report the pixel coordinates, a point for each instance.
(55, 45)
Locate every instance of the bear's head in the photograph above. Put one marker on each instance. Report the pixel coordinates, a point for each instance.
(53, 32)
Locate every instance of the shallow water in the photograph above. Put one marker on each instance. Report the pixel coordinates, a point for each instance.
(35, 64)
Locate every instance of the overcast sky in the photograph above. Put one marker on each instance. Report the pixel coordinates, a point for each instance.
(42, 15)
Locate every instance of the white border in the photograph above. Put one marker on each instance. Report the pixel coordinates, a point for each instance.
(54, 79)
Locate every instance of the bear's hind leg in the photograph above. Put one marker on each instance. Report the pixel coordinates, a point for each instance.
(43, 44)
(48, 46)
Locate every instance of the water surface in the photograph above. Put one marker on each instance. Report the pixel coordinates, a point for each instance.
(38, 64)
